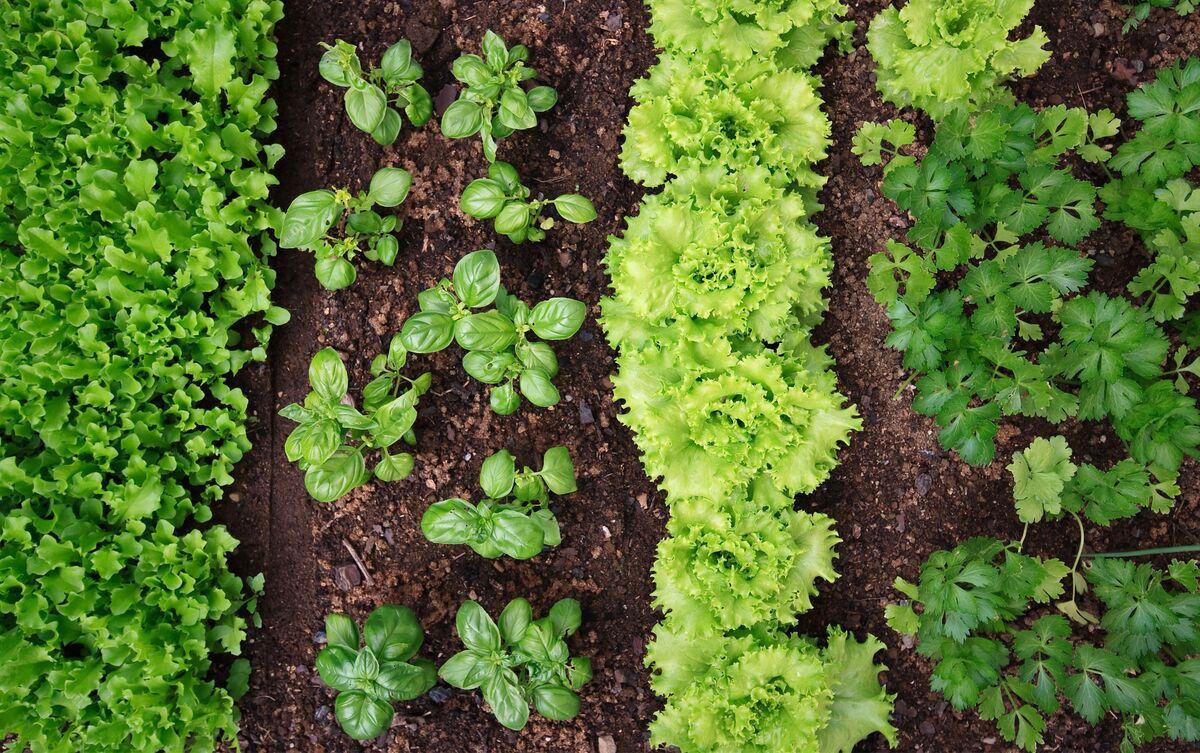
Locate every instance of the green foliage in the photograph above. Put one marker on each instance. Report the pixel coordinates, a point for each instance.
(716, 286)
(315, 220)
(521, 661)
(375, 98)
(515, 519)
(332, 435)
(1140, 11)
(502, 197)
(991, 320)
(945, 55)
(983, 620)
(134, 253)
(371, 672)
(499, 349)
(493, 103)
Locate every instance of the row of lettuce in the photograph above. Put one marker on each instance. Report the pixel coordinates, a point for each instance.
(991, 305)
(716, 284)
(134, 284)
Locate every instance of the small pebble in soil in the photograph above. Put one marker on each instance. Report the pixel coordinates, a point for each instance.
(585, 414)
(319, 637)
(924, 483)
(347, 576)
(322, 713)
(606, 744)
(613, 22)
(441, 694)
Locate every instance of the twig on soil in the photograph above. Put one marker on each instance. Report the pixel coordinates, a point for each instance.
(358, 561)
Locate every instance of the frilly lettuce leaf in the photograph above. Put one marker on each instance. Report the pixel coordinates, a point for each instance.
(942, 55)
(695, 110)
(710, 419)
(740, 562)
(860, 706)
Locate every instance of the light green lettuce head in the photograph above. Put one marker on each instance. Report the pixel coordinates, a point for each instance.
(941, 55)
(700, 110)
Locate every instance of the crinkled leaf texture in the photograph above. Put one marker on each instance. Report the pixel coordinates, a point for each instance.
(134, 259)
(941, 55)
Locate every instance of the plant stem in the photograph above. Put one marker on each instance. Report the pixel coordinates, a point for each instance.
(1078, 557)
(1147, 552)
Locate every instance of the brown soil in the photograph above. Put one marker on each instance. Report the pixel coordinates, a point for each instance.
(897, 495)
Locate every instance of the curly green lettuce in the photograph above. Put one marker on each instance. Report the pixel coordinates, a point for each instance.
(696, 110)
(768, 692)
(942, 55)
(715, 255)
(794, 30)
(747, 560)
(709, 419)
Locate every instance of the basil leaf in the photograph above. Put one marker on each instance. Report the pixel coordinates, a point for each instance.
(308, 218)
(514, 620)
(489, 368)
(515, 111)
(335, 665)
(420, 105)
(537, 355)
(497, 473)
(327, 375)
(427, 332)
(470, 69)
(451, 521)
(436, 300)
(393, 633)
(477, 278)
(508, 178)
(389, 186)
(397, 65)
(466, 670)
(504, 400)
(503, 693)
(361, 716)
(395, 467)
(462, 119)
(483, 198)
(335, 273)
(512, 218)
(404, 682)
(566, 615)
(557, 318)
(557, 470)
(364, 223)
(515, 534)
(542, 98)
(579, 672)
(333, 68)
(336, 477)
(388, 130)
(490, 331)
(575, 208)
(366, 105)
(475, 627)
(555, 702)
(366, 665)
(551, 534)
(494, 51)
(393, 419)
(538, 389)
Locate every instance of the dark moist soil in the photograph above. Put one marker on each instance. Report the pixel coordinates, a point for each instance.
(897, 495)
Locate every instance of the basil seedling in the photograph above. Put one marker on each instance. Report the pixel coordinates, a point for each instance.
(493, 103)
(499, 351)
(503, 198)
(520, 661)
(312, 218)
(375, 98)
(515, 519)
(370, 677)
(331, 436)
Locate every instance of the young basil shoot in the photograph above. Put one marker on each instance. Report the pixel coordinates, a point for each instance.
(332, 435)
(503, 198)
(370, 677)
(375, 98)
(520, 527)
(312, 218)
(494, 104)
(499, 351)
(520, 661)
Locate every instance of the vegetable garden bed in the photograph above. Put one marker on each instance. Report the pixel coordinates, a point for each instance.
(897, 495)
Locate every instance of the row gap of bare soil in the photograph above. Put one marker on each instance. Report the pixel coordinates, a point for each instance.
(897, 495)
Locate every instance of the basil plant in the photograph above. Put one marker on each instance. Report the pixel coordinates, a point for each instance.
(369, 677)
(332, 437)
(515, 519)
(375, 98)
(502, 197)
(520, 661)
(493, 103)
(499, 349)
(334, 225)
